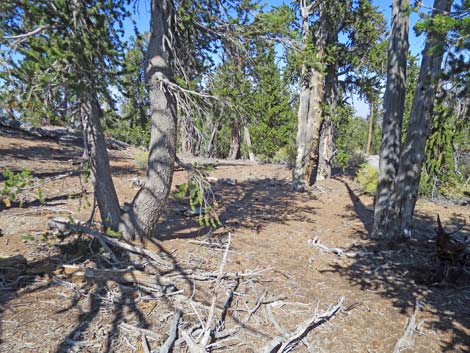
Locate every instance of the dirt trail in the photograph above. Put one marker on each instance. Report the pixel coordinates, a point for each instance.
(271, 228)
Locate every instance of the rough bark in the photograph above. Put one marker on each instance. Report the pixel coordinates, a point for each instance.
(249, 146)
(394, 102)
(97, 156)
(235, 142)
(327, 147)
(310, 112)
(141, 219)
(409, 174)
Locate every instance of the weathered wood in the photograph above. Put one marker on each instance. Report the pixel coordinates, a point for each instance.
(167, 346)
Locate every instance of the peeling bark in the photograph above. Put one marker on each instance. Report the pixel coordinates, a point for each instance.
(310, 112)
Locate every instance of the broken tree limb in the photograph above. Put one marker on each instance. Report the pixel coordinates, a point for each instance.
(406, 341)
(145, 344)
(290, 343)
(143, 331)
(167, 346)
(122, 276)
(69, 227)
(192, 346)
(209, 324)
(316, 243)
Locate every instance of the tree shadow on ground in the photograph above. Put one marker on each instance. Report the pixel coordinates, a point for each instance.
(408, 271)
(20, 279)
(248, 205)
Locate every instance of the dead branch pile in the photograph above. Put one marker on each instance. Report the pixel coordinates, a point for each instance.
(217, 310)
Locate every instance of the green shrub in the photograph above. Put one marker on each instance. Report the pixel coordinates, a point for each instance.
(286, 155)
(367, 178)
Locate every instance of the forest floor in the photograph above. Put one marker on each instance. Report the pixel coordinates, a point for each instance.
(281, 278)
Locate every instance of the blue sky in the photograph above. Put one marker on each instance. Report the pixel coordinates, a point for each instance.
(142, 18)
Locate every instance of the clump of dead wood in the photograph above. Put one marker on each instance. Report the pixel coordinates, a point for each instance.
(234, 314)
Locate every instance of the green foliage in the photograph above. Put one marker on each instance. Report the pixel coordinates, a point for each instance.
(16, 184)
(78, 51)
(113, 234)
(27, 237)
(446, 171)
(286, 155)
(367, 178)
(198, 193)
(350, 135)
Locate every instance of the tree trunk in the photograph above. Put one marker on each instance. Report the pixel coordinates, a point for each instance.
(371, 125)
(411, 162)
(327, 147)
(235, 142)
(186, 136)
(309, 114)
(211, 142)
(97, 156)
(247, 137)
(141, 220)
(394, 102)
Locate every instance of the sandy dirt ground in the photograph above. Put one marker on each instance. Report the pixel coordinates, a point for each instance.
(280, 278)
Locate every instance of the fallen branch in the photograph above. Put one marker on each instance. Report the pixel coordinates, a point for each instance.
(209, 324)
(192, 346)
(68, 227)
(316, 243)
(406, 341)
(143, 331)
(166, 348)
(145, 344)
(289, 344)
(122, 276)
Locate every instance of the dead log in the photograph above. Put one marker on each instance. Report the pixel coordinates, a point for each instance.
(56, 133)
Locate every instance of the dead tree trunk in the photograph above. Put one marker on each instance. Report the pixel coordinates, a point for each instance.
(186, 136)
(247, 137)
(394, 102)
(409, 174)
(97, 156)
(235, 142)
(141, 219)
(327, 147)
(371, 124)
(212, 139)
(310, 112)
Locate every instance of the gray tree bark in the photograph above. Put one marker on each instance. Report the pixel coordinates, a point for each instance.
(327, 146)
(141, 220)
(371, 124)
(247, 138)
(97, 156)
(235, 142)
(187, 138)
(409, 174)
(310, 112)
(394, 102)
